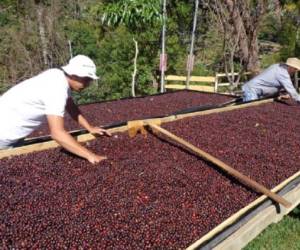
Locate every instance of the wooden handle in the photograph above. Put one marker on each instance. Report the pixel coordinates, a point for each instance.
(241, 177)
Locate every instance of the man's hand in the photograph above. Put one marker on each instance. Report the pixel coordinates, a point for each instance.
(74, 112)
(99, 131)
(93, 158)
(61, 136)
(284, 97)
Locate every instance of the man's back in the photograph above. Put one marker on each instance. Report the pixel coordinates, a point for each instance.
(271, 81)
(24, 106)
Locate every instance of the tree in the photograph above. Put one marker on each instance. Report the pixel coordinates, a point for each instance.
(240, 20)
(134, 14)
(31, 38)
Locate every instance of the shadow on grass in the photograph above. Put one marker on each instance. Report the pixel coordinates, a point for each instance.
(295, 213)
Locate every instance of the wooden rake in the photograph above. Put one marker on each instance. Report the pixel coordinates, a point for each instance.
(139, 126)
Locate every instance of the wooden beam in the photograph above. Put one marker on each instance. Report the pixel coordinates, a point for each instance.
(230, 74)
(87, 137)
(225, 109)
(52, 144)
(208, 79)
(191, 87)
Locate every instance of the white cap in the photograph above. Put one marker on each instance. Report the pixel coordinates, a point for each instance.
(81, 66)
(293, 62)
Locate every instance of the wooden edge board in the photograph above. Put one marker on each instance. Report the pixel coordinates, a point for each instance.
(28, 149)
(224, 109)
(230, 74)
(191, 87)
(242, 211)
(52, 144)
(86, 137)
(192, 78)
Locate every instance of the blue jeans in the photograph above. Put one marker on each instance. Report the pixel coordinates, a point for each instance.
(249, 94)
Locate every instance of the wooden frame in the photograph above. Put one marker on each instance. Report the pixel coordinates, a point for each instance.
(201, 79)
(222, 75)
(191, 87)
(213, 80)
(242, 236)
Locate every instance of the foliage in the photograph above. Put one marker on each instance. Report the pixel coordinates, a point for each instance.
(115, 63)
(84, 38)
(133, 13)
(112, 47)
(268, 59)
(289, 34)
(115, 60)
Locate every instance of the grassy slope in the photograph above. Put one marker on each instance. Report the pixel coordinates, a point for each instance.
(284, 235)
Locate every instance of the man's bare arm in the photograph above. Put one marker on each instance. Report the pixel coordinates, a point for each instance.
(60, 135)
(76, 115)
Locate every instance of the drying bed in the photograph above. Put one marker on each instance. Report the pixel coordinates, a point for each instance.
(149, 194)
(106, 113)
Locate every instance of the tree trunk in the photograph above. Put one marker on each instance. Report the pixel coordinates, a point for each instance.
(253, 64)
(190, 62)
(163, 45)
(246, 21)
(277, 10)
(40, 14)
(135, 68)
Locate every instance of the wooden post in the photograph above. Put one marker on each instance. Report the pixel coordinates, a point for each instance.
(216, 83)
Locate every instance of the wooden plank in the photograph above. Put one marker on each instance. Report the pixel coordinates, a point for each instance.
(87, 137)
(28, 149)
(223, 84)
(232, 219)
(203, 79)
(208, 79)
(175, 78)
(229, 74)
(202, 88)
(191, 87)
(41, 146)
(52, 144)
(225, 109)
(175, 86)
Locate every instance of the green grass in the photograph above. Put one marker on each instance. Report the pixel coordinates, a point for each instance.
(284, 235)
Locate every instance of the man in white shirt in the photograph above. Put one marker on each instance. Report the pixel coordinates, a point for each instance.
(275, 78)
(24, 107)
